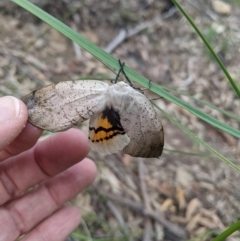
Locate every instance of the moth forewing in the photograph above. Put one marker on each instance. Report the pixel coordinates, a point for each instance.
(60, 106)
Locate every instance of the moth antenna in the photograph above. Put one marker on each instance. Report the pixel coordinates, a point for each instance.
(120, 70)
(128, 80)
(149, 86)
(160, 97)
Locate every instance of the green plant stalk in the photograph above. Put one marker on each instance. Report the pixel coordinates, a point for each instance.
(209, 47)
(227, 113)
(230, 230)
(83, 237)
(203, 236)
(204, 156)
(195, 111)
(216, 153)
(185, 153)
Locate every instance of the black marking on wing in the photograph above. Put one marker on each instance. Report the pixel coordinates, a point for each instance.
(113, 118)
(108, 137)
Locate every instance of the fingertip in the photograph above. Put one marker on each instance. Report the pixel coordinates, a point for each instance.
(79, 137)
(31, 130)
(13, 119)
(88, 167)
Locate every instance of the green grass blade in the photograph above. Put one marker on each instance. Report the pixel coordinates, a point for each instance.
(203, 155)
(204, 236)
(84, 237)
(195, 111)
(233, 228)
(227, 113)
(112, 62)
(209, 47)
(216, 153)
(185, 153)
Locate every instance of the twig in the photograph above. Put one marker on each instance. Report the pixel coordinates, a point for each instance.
(115, 169)
(125, 34)
(118, 216)
(186, 82)
(14, 57)
(143, 184)
(115, 42)
(209, 13)
(147, 235)
(147, 224)
(86, 230)
(171, 227)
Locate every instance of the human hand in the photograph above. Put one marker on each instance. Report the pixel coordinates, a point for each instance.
(39, 213)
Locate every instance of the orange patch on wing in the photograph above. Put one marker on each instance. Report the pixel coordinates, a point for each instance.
(104, 123)
(102, 136)
(103, 131)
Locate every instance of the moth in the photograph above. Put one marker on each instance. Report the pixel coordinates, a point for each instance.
(121, 118)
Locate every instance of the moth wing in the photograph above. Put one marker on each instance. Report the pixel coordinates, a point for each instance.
(60, 106)
(106, 135)
(144, 128)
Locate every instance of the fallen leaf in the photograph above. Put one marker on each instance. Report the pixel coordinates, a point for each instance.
(221, 7)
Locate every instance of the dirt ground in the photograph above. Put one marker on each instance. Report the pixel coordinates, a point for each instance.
(185, 194)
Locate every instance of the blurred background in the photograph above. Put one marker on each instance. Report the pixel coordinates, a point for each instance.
(185, 194)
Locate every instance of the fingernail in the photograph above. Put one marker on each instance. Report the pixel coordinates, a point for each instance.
(9, 108)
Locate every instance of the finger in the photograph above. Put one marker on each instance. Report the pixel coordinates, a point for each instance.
(12, 119)
(57, 227)
(25, 140)
(30, 209)
(61, 151)
(48, 158)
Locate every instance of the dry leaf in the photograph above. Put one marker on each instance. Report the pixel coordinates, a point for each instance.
(192, 208)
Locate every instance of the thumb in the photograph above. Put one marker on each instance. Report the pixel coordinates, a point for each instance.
(13, 117)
